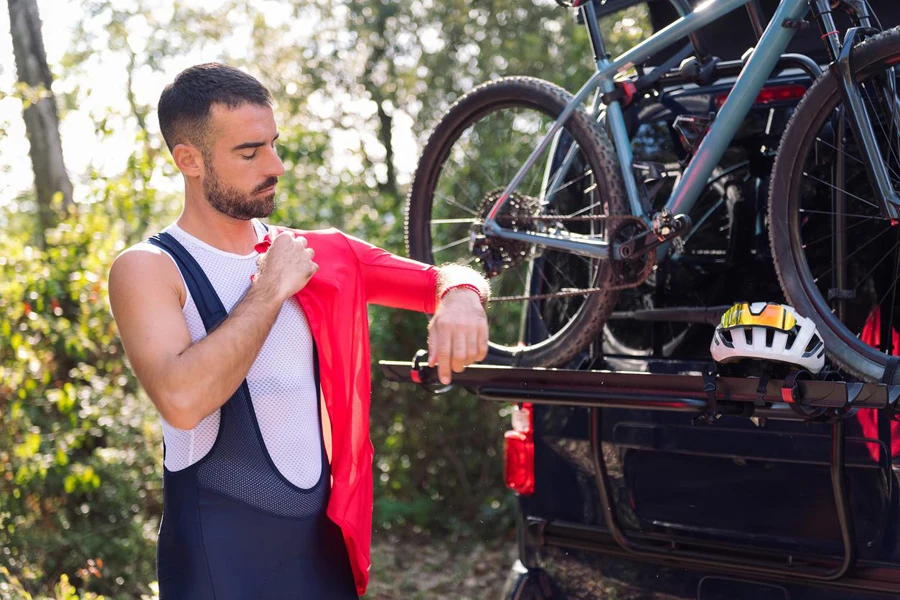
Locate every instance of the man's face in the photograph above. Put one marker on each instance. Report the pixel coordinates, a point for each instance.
(240, 162)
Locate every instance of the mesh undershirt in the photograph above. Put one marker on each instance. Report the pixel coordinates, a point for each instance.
(281, 380)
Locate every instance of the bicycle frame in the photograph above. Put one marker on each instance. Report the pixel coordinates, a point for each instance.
(774, 41)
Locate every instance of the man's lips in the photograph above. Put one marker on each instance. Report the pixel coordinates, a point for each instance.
(266, 190)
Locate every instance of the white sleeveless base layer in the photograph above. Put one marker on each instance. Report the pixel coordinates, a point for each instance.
(281, 379)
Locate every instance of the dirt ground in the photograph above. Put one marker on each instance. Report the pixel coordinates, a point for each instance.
(418, 567)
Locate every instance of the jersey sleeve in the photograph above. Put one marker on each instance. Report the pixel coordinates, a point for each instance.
(394, 281)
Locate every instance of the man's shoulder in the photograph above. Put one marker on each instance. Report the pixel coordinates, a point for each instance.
(141, 253)
(146, 264)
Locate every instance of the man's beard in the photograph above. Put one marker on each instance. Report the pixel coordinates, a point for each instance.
(235, 203)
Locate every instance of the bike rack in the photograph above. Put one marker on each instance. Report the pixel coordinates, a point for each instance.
(707, 396)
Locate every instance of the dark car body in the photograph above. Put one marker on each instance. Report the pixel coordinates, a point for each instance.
(736, 490)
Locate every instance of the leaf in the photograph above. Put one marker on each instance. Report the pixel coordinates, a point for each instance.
(29, 447)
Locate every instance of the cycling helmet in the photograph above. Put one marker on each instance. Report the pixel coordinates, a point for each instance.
(768, 331)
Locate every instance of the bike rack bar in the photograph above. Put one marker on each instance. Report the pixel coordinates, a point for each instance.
(647, 391)
(732, 68)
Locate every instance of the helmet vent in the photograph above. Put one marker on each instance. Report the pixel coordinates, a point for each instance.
(727, 339)
(748, 336)
(770, 337)
(813, 342)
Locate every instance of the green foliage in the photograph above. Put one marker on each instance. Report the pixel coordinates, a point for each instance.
(80, 490)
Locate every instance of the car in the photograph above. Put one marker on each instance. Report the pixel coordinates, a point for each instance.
(617, 501)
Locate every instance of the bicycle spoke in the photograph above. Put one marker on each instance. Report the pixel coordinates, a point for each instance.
(888, 137)
(847, 154)
(872, 270)
(872, 204)
(828, 237)
(849, 216)
(581, 211)
(452, 202)
(854, 157)
(852, 254)
(450, 245)
(562, 274)
(453, 221)
(587, 173)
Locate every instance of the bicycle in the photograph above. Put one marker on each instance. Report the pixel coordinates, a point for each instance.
(561, 240)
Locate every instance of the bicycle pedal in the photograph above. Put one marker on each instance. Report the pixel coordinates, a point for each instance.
(667, 226)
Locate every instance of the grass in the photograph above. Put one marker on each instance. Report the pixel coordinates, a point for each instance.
(419, 566)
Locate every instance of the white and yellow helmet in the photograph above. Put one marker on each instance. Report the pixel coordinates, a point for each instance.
(768, 331)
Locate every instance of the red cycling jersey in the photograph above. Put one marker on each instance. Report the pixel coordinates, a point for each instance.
(351, 275)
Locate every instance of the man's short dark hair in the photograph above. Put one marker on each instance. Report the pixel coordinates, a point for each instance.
(184, 106)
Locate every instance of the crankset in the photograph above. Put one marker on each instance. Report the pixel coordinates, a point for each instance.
(664, 228)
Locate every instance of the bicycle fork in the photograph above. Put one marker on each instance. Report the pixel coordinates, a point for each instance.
(858, 116)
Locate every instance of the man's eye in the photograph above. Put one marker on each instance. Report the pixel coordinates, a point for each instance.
(248, 157)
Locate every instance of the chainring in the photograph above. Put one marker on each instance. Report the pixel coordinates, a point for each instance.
(631, 272)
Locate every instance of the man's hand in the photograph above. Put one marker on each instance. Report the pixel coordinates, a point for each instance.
(287, 266)
(458, 333)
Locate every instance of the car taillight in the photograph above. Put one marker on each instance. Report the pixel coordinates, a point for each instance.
(518, 446)
(771, 94)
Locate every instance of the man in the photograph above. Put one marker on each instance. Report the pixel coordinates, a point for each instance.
(266, 495)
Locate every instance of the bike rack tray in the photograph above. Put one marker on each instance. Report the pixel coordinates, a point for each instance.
(704, 394)
(649, 391)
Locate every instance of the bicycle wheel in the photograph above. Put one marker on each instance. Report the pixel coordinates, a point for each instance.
(836, 255)
(548, 305)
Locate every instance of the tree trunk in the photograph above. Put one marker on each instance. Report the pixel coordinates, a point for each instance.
(41, 117)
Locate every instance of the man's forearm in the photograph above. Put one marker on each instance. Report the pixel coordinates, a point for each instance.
(207, 373)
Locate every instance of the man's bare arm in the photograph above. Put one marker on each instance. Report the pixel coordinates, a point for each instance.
(186, 381)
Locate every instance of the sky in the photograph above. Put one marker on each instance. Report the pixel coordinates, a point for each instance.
(82, 150)
(81, 147)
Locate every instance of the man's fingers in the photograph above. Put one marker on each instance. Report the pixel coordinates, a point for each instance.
(472, 350)
(444, 353)
(460, 351)
(482, 340)
(432, 348)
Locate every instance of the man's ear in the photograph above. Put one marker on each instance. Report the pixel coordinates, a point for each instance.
(188, 159)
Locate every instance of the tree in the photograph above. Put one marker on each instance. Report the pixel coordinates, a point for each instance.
(41, 117)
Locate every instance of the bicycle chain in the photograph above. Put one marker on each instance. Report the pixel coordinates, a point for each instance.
(648, 259)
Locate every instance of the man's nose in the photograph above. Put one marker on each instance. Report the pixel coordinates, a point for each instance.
(274, 168)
